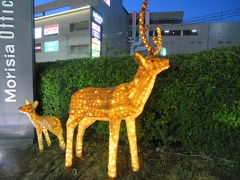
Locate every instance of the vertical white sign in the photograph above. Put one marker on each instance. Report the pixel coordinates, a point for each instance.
(16, 71)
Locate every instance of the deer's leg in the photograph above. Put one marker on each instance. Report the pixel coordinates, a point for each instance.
(114, 127)
(132, 138)
(45, 132)
(71, 124)
(82, 126)
(40, 139)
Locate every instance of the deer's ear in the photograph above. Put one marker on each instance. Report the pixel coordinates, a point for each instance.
(140, 59)
(27, 102)
(35, 104)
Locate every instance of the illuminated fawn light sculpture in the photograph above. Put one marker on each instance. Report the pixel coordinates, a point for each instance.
(43, 124)
(123, 102)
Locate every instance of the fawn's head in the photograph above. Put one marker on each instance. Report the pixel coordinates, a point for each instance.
(28, 108)
(151, 62)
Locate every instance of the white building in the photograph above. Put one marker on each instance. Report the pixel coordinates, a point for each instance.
(91, 28)
(181, 38)
(87, 28)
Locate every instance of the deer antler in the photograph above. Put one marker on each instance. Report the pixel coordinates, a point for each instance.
(153, 51)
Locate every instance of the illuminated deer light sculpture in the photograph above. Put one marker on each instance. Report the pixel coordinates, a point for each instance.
(123, 102)
(43, 124)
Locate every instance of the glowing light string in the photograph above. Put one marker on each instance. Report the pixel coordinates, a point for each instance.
(43, 124)
(123, 102)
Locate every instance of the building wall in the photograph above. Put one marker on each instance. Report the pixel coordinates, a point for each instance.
(172, 17)
(63, 3)
(65, 37)
(115, 27)
(185, 43)
(224, 34)
(209, 35)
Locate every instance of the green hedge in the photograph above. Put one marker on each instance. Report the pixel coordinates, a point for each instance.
(195, 103)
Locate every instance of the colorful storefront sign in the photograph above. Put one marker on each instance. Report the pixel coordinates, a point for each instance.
(51, 46)
(51, 30)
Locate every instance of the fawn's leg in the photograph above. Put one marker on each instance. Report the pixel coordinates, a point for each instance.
(58, 131)
(45, 132)
(40, 139)
(71, 124)
(131, 130)
(82, 126)
(114, 127)
(61, 139)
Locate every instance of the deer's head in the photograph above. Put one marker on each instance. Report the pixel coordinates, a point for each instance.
(28, 108)
(151, 62)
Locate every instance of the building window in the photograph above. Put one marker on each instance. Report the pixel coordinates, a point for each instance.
(150, 33)
(78, 26)
(175, 33)
(190, 32)
(38, 33)
(137, 33)
(171, 33)
(38, 15)
(166, 21)
(155, 21)
(79, 49)
(165, 32)
(129, 33)
(58, 10)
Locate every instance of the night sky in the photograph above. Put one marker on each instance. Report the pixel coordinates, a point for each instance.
(191, 8)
